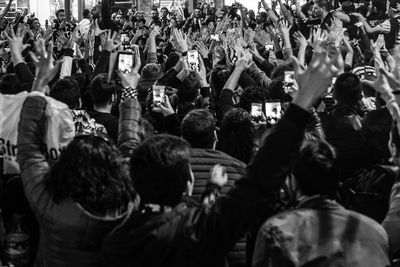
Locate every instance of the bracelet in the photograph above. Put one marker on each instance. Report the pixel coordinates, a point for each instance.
(184, 54)
(128, 93)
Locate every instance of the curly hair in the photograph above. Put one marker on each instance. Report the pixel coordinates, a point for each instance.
(92, 172)
(236, 136)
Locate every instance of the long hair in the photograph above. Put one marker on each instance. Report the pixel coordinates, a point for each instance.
(92, 172)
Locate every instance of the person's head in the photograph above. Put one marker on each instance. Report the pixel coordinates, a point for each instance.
(261, 17)
(252, 14)
(141, 23)
(197, 13)
(321, 8)
(347, 89)
(10, 85)
(236, 135)
(154, 13)
(379, 6)
(348, 7)
(103, 93)
(189, 90)
(315, 169)
(18, 13)
(179, 19)
(3, 24)
(173, 23)
(152, 71)
(86, 14)
(96, 11)
(164, 12)
(67, 90)
(252, 94)
(160, 170)
(222, 13)
(35, 24)
(91, 172)
(198, 128)
(60, 14)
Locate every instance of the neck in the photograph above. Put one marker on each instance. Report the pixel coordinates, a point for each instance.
(105, 109)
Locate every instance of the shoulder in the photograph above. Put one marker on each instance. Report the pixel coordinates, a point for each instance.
(216, 157)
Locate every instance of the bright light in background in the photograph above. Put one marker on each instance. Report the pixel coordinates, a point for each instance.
(253, 4)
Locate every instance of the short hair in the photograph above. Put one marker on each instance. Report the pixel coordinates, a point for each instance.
(59, 11)
(164, 8)
(252, 94)
(101, 90)
(189, 90)
(347, 89)
(160, 169)
(380, 5)
(67, 90)
(86, 13)
(315, 168)
(323, 4)
(143, 20)
(198, 127)
(10, 84)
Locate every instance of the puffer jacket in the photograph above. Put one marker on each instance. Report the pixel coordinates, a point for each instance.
(69, 235)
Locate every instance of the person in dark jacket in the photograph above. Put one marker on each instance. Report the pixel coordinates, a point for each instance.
(103, 96)
(165, 231)
(342, 125)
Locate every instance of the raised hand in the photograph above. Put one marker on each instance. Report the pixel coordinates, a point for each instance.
(300, 39)
(201, 73)
(179, 41)
(45, 69)
(203, 50)
(16, 41)
(314, 82)
(166, 109)
(108, 41)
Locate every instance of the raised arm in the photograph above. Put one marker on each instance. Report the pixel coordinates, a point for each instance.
(6, 9)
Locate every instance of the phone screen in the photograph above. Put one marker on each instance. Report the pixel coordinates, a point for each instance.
(288, 82)
(214, 37)
(273, 112)
(256, 111)
(158, 94)
(193, 60)
(125, 62)
(269, 47)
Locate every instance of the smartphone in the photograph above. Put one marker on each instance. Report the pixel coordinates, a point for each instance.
(288, 82)
(125, 38)
(158, 94)
(330, 89)
(125, 61)
(273, 111)
(256, 111)
(193, 60)
(269, 47)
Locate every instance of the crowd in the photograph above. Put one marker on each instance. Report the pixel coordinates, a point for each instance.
(212, 137)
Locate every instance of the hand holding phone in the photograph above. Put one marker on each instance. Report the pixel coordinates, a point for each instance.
(288, 82)
(273, 111)
(193, 60)
(158, 95)
(125, 62)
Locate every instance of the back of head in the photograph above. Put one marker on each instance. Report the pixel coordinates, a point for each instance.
(347, 89)
(198, 128)
(91, 172)
(86, 13)
(236, 136)
(379, 5)
(67, 90)
(152, 71)
(348, 7)
(101, 90)
(9, 84)
(252, 94)
(189, 90)
(160, 169)
(324, 4)
(315, 168)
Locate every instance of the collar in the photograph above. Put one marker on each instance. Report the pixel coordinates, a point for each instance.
(318, 202)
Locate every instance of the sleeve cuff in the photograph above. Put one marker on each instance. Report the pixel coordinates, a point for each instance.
(298, 116)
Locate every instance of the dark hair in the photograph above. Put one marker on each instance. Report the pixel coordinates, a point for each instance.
(92, 172)
(348, 7)
(59, 11)
(10, 84)
(164, 8)
(160, 169)
(189, 90)
(380, 5)
(86, 13)
(101, 90)
(219, 76)
(347, 89)
(198, 128)
(315, 168)
(236, 136)
(142, 20)
(324, 4)
(252, 94)
(67, 90)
